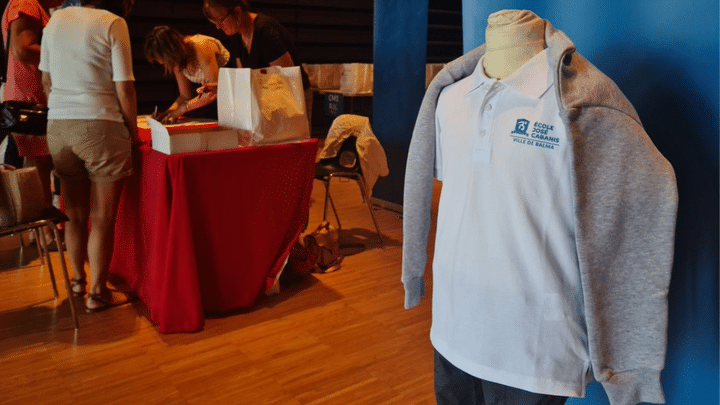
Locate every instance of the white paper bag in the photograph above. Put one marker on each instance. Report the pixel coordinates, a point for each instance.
(267, 105)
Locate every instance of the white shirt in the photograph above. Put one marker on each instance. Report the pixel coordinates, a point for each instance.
(507, 302)
(85, 50)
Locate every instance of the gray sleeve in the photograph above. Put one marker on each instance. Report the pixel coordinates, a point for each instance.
(625, 213)
(418, 195)
(419, 173)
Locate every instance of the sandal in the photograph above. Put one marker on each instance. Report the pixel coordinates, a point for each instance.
(105, 299)
(77, 285)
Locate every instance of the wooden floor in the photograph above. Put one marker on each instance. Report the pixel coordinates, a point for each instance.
(335, 338)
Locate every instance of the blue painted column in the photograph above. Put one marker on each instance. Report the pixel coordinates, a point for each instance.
(399, 55)
(664, 57)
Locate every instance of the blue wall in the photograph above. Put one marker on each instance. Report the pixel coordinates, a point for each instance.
(664, 56)
(399, 52)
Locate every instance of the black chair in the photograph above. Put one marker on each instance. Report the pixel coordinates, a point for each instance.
(345, 164)
(50, 217)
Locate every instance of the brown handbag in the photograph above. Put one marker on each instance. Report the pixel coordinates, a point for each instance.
(21, 195)
(324, 242)
(317, 251)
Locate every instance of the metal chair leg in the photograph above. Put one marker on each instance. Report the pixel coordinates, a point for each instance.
(63, 265)
(37, 243)
(21, 256)
(41, 242)
(365, 194)
(332, 204)
(327, 193)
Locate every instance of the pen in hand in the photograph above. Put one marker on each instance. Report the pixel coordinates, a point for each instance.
(207, 87)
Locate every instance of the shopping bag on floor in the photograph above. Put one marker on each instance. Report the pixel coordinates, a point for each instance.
(267, 105)
(21, 195)
(324, 243)
(301, 262)
(316, 251)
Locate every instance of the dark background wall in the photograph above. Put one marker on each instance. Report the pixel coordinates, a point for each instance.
(325, 31)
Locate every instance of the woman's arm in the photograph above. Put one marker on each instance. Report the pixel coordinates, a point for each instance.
(25, 39)
(128, 105)
(178, 107)
(207, 62)
(47, 84)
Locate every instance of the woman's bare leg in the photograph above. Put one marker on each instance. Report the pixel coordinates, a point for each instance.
(103, 212)
(76, 193)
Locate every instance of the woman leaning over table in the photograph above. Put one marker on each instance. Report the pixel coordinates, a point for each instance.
(23, 21)
(257, 40)
(86, 67)
(191, 59)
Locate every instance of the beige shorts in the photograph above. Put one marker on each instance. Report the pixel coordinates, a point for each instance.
(96, 149)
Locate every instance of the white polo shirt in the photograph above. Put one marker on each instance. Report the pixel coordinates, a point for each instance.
(507, 302)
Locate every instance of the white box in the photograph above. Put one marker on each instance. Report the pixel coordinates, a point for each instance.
(192, 136)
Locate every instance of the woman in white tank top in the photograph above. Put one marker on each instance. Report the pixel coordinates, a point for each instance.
(191, 59)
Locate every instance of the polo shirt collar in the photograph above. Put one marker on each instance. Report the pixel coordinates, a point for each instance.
(533, 78)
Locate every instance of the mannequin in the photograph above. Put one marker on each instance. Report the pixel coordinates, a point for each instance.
(537, 282)
(512, 38)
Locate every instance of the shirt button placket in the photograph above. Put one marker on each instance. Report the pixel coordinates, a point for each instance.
(482, 142)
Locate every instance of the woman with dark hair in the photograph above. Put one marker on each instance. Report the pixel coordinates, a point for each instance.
(86, 66)
(191, 59)
(257, 40)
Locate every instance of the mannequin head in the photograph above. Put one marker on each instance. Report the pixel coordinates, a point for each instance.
(512, 38)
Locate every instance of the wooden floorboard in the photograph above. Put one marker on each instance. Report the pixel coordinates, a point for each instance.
(336, 338)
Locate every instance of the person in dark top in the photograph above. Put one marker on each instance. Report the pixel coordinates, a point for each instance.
(256, 40)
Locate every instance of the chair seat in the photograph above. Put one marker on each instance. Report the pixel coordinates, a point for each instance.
(324, 170)
(49, 214)
(50, 217)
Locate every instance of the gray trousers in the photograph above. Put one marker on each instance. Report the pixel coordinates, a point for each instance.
(456, 387)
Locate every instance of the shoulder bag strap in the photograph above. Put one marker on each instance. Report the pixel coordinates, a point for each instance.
(4, 67)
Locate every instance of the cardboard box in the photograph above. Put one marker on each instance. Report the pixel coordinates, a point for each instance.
(191, 136)
(327, 76)
(356, 79)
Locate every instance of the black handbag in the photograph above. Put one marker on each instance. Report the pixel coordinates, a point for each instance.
(22, 117)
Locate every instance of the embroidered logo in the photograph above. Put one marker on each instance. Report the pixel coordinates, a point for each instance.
(521, 127)
(541, 134)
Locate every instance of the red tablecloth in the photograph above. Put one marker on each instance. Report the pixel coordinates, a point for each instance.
(210, 231)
